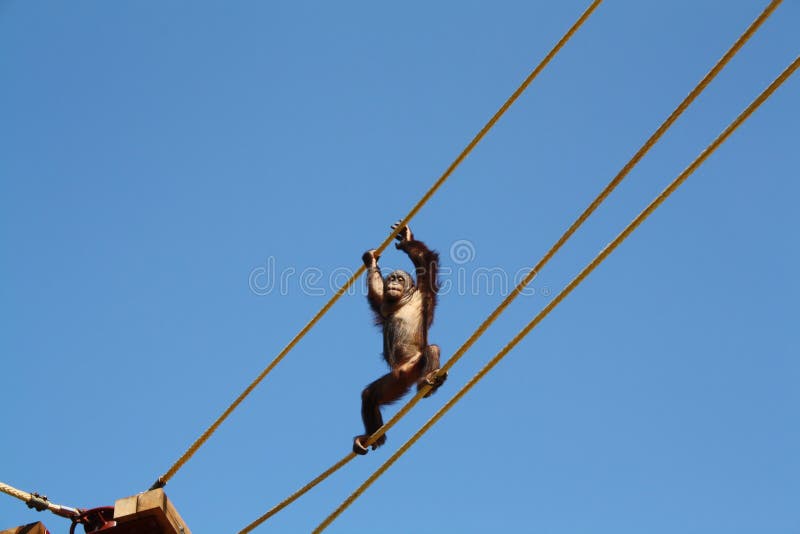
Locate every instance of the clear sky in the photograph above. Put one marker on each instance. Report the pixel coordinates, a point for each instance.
(183, 184)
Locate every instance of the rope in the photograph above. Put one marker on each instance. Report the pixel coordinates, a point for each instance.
(299, 493)
(39, 502)
(163, 479)
(723, 61)
(671, 188)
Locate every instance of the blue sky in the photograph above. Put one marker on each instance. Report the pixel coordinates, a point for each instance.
(161, 161)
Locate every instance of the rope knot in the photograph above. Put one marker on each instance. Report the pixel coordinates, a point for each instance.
(39, 502)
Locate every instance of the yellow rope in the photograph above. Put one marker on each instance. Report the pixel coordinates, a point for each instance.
(58, 509)
(163, 479)
(568, 289)
(723, 61)
(299, 493)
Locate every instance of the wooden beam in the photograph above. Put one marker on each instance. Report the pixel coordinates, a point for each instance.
(150, 512)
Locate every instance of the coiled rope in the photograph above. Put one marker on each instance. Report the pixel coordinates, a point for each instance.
(671, 188)
(163, 479)
(723, 61)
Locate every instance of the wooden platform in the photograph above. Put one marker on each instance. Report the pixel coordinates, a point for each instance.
(147, 513)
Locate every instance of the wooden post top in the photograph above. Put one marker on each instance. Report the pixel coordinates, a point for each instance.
(150, 512)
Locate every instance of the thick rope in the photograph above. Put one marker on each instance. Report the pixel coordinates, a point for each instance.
(163, 479)
(39, 502)
(568, 289)
(716, 69)
(299, 493)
